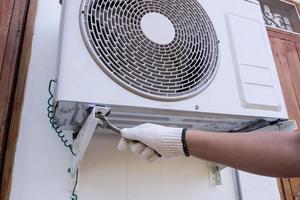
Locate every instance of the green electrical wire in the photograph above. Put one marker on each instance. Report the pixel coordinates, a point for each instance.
(59, 132)
(74, 195)
(52, 121)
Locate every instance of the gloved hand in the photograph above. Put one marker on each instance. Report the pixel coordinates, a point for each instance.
(145, 139)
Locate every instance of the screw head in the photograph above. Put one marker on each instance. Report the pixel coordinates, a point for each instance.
(197, 107)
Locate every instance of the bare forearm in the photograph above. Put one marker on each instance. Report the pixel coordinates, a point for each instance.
(267, 153)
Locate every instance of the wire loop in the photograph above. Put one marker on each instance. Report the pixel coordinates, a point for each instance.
(52, 121)
(59, 132)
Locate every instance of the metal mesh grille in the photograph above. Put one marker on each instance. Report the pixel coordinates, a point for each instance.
(113, 34)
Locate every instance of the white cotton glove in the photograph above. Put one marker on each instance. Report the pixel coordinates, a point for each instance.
(147, 140)
(138, 148)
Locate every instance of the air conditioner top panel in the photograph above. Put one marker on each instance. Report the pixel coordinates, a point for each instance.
(238, 71)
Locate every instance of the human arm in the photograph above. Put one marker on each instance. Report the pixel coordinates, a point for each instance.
(266, 153)
(274, 154)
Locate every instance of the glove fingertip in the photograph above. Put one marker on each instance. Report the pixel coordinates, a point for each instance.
(123, 145)
(153, 158)
(137, 148)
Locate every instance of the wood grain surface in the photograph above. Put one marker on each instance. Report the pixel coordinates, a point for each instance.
(15, 48)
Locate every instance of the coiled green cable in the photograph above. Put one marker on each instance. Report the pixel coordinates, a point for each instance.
(59, 132)
(52, 121)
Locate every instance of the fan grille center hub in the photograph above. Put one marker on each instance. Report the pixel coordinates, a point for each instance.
(158, 28)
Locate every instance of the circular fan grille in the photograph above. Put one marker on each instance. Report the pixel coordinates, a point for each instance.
(179, 69)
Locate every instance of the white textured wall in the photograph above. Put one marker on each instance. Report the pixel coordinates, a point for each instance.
(41, 161)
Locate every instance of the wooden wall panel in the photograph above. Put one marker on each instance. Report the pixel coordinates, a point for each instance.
(13, 15)
(10, 58)
(287, 189)
(294, 67)
(9, 67)
(5, 18)
(13, 131)
(282, 64)
(295, 187)
(283, 35)
(6, 7)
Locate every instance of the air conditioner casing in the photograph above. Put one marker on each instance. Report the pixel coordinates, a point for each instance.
(245, 88)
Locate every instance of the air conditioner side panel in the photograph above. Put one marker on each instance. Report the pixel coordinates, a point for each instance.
(253, 64)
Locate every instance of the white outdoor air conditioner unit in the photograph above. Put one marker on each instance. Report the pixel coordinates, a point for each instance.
(196, 64)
